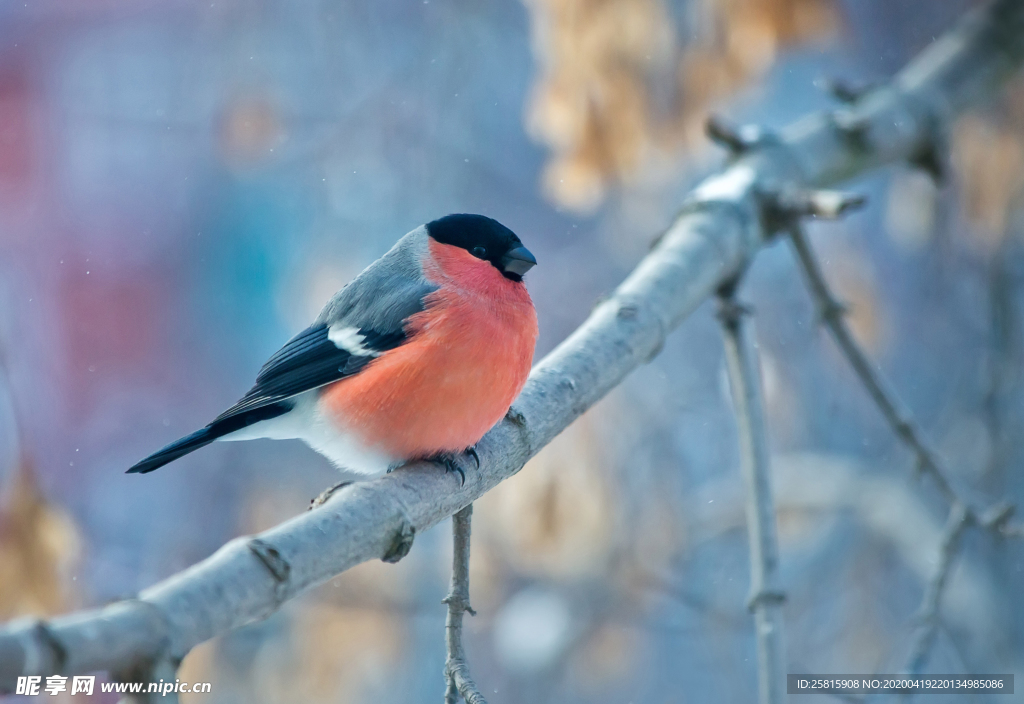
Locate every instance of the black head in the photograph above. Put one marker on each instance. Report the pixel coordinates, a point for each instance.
(485, 239)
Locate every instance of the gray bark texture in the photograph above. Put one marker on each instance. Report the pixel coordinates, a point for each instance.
(723, 224)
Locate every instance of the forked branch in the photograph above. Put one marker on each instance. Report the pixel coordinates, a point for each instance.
(961, 513)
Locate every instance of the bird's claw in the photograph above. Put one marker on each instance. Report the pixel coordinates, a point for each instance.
(450, 466)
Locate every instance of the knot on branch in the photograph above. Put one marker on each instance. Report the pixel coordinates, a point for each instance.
(730, 311)
(60, 653)
(459, 602)
(766, 597)
(852, 127)
(929, 158)
(628, 311)
(44, 652)
(844, 91)
(401, 543)
(518, 419)
(630, 308)
(783, 208)
(737, 140)
(456, 673)
(931, 151)
(905, 428)
(830, 205)
(278, 567)
(832, 311)
(516, 416)
(925, 464)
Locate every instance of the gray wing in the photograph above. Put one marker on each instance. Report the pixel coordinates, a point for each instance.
(363, 320)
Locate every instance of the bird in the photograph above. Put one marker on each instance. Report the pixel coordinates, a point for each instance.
(416, 358)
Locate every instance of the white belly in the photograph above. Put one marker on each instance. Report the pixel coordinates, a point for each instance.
(306, 423)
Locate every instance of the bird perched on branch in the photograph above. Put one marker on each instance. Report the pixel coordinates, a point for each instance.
(416, 358)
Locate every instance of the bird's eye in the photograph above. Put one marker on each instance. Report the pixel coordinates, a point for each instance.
(479, 252)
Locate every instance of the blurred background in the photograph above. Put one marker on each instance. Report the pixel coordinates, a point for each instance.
(183, 184)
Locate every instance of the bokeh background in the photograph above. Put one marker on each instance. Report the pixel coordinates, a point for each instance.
(183, 184)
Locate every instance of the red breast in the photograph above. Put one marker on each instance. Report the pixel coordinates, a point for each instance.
(468, 356)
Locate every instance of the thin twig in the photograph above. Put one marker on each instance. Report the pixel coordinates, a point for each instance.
(961, 513)
(832, 314)
(928, 615)
(456, 670)
(765, 596)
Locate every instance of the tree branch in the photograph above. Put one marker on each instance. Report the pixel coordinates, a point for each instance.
(722, 226)
(832, 314)
(961, 514)
(766, 598)
(928, 614)
(456, 669)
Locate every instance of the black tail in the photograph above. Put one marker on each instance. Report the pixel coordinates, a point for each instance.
(178, 448)
(204, 436)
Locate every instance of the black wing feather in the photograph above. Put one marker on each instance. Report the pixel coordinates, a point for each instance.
(308, 361)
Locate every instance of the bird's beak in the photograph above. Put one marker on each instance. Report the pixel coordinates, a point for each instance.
(518, 261)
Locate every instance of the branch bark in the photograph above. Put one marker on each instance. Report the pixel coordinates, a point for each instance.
(721, 227)
(766, 598)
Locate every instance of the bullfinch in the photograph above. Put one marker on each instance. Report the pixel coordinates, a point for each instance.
(416, 358)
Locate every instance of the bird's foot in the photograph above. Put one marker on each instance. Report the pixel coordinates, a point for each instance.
(450, 462)
(326, 494)
(450, 465)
